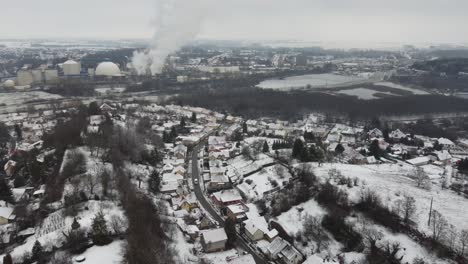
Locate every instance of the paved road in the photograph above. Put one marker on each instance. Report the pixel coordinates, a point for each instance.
(207, 206)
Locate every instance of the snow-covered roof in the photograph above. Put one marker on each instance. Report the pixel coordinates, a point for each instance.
(227, 196)
(107, 68)
(6, 212)
(214, 235)
(419, 160)
(276, 246)
(445, 141)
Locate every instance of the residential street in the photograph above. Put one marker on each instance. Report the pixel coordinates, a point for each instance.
(207, 206)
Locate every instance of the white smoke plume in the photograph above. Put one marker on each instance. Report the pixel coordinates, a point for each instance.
(176, 23)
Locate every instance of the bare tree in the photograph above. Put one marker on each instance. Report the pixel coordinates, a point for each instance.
(421, 178)
(406, 208)
(371, 236)
(313, 230)
(117, 224)
(91, 182)
(452, 234)
(438, 224)
(463, 241)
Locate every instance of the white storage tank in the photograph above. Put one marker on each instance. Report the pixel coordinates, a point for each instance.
(71, 67)
(108, 69)
(9, 84)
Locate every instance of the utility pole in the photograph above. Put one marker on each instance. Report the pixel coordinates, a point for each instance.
(430, 213)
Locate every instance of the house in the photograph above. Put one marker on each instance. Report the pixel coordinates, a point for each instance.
(169, 188)
(271, 235)
(446, 143)
(275, 247)
(226, 197)
(192, 231)
(6, 215)
(419, 161)
(375, 133)
(96, 120)
(179, 170)
(106, 108)
(237, 211)
(213, 240)
(443, 156)
(9, 168)
(252, 231)
(189, 203)
(168, 178)
(290, 255)
(180, 151)
(397, 135)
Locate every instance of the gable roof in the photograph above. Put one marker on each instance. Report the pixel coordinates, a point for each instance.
(214, 235)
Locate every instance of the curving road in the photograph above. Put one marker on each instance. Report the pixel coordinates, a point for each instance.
(207, 206)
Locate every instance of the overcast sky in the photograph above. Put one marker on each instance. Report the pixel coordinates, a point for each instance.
(402, 21)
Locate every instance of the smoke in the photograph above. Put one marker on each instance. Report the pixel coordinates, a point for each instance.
(176, 23)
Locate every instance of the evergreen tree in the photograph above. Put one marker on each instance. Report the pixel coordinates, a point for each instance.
(4, 135)
(165, 137)
(5, 191)
(244, 128)
(19, 133)
(154, 182)
(75, 225)
(266, 148)
(339, 149)
(100, 234)
(193, 119)
(7, 259)
(173, 135)
(298, 148)
(230, 228)
(37, 250)
(93, 109)
(182, 121)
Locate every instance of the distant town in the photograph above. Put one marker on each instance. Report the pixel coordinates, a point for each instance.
(232, 154)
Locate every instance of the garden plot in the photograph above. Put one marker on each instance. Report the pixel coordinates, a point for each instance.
(292, 220)
(50, 233)
(108, 254)
(51, 224)
(391, 182)
(409, 248)
(245, 166)
(266, 181)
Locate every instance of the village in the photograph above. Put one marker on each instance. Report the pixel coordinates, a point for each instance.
(233, 190)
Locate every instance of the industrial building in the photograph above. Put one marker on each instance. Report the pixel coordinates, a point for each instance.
(71, 68)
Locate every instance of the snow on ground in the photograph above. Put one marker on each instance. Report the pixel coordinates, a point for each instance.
(108, 254)
(262, 181)
(50, 232)
(183, 248)
(364, 93)
(401, 87)
(390, 181)
(21, 98)
(410, 248)
(245, 166)
(220, 257)
(292, 220)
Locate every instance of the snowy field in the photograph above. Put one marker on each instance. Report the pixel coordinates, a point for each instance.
(108, 254)
(317, 81)
(410, 249)
(364, 93)
(292, 219)
(258, 184)
(50, 232)
(401, 87)
(390, 181)
(244, 166)
(19, 98)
